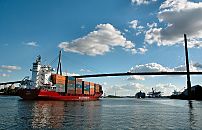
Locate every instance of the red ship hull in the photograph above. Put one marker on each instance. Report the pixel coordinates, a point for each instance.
(39, 94)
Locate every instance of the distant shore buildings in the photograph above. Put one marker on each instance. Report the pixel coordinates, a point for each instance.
(196, 94)
(9, 90)
(154, 94)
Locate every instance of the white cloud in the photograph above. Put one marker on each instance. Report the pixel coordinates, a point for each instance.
(124, 89)
(142, 50)
(69, 74)
(197, 43)
(137, 86)
(181, 17)
(150, 67)
(85, 70)
(4, 75)
(194, 67)
(133, 88)
(138, 33)
(133, 24)
(136, 77)
(140, 27)
(126, 30)
(111, 90)
(133, 51)
(98, 42)
(155, 67)
(178, 5)
(33, 44)
(10, 68)
(153, 35)
(166, 89)
(139, 2)
(152, 25)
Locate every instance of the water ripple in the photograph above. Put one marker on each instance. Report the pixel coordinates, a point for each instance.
(104, 114)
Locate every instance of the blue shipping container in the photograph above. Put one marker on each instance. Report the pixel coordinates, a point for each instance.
(71, 78)
(60, 88)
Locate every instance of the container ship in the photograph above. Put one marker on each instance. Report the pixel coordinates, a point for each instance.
(46, 85)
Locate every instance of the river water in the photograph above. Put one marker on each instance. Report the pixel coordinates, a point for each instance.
(106, 114)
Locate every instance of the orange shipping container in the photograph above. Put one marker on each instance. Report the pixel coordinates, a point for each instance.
(86, 92)
(97, 88)
(86, 83)
(58, 79)
(78, 91)
(92, 91)
(92, 85)
(71, 91)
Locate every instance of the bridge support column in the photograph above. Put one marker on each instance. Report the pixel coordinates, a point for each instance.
(187, 67)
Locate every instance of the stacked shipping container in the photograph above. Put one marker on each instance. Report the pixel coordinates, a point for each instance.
(70, 85)
(97, 88)
(74, 86)
(59, 82)
(92, 88)
(78, 86)
(86, 87)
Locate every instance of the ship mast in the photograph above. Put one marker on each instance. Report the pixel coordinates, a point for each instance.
(59, 63)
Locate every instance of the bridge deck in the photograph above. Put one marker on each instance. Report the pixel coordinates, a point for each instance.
(139, 73)
(124, 74)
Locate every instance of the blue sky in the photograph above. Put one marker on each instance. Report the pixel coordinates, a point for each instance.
(103, 36)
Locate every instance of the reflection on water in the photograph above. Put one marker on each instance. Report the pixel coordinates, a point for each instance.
(49, 114)
(103, 114)
(54, 114)
(191, 115)
(82, 115)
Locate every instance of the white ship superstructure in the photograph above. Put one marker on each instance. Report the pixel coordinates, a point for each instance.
(41, 74)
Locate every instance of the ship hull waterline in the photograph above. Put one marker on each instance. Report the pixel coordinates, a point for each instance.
(37, 94)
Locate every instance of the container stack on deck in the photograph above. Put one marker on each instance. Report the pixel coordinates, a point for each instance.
(71, 85)
(59, 82)
(78, 86)
(97, 88)
(86, 87)
(74, 86)
(92, 88)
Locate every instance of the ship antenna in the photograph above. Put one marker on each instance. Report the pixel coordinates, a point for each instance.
(59, 63)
